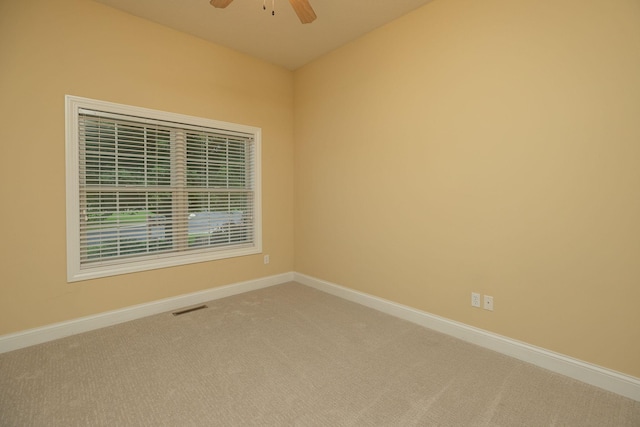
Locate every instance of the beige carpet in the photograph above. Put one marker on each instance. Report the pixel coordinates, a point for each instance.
(283, 356)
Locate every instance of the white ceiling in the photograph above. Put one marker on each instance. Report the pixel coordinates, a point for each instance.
(280, 39)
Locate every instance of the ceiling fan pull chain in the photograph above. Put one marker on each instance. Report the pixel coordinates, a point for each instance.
(273, 6)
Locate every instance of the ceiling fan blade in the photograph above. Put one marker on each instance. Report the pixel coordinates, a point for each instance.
(220, 3)
(303, 10)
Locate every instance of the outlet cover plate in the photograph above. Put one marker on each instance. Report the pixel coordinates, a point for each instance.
(475, 299)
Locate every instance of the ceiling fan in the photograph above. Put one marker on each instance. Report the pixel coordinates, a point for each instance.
(302, 7)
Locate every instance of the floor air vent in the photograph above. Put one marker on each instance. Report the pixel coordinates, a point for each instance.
(189, 310)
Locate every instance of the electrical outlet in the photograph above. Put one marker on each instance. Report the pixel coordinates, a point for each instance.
(475, 299)
(488, 302)
(266, 259)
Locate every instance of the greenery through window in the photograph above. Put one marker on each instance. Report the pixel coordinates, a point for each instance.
(156, 189)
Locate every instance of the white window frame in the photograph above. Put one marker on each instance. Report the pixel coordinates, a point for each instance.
(75, 270)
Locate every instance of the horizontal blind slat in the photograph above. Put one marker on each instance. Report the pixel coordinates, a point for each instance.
(165, 124)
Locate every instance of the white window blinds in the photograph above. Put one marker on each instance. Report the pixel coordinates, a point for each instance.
(151, 189)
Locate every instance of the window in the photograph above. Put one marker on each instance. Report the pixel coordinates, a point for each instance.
(148, 189)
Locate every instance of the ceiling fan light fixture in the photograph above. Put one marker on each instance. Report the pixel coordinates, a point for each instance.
(302, 8)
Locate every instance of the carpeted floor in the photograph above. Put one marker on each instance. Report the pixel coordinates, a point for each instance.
(283, 356)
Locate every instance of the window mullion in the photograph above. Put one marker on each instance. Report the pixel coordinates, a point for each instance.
(116, 179)
(179, 184)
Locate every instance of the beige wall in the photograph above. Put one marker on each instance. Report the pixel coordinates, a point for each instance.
(79, 47)
(489, 146)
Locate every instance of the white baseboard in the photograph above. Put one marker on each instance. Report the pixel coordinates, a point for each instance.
(84, 324)
(606, 379)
